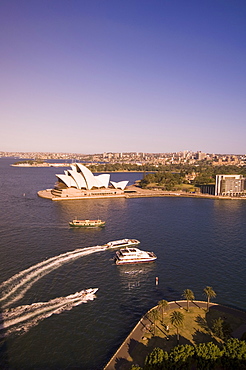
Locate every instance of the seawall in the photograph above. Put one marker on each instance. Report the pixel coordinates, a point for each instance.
(132, 192)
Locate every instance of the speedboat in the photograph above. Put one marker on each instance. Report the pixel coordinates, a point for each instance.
(83, 293)
(122, 243)
(133, 255)
(91, 290)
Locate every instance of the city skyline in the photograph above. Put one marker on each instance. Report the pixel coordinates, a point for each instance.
(147, 76)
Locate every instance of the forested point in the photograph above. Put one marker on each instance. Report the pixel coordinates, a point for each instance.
(173, 177)
(29, 162)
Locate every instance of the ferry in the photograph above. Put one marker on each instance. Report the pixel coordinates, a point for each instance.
(87, 223)
(122, 243)
(133, 255)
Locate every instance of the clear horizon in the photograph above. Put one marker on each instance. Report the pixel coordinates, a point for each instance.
(134, 76)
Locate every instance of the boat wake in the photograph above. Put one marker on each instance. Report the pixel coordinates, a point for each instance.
(15, 288)
(21, 319)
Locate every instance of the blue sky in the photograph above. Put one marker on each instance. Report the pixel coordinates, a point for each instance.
(93, 76)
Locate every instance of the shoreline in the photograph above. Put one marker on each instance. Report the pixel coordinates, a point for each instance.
(133, 191)
(41, 165)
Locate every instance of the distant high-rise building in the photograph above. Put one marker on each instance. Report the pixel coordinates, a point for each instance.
(200, 156)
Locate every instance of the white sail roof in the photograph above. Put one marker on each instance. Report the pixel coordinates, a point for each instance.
(119, 185)
(81, 177)
(104, 179)
(78, 178)
(88, 176)
(67, 180)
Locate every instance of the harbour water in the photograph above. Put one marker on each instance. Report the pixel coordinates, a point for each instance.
(198, 242)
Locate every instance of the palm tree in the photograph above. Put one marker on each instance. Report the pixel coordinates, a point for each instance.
(177, 319)
(210, 293)
(162, 305)
(153, 316)
(189, 296)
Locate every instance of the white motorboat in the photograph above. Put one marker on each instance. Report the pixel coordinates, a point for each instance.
(133, 255)
(122, 243)
(91, 291)
(83, 293)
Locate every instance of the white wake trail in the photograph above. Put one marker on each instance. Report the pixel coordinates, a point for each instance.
(22, 318)
(14, 288)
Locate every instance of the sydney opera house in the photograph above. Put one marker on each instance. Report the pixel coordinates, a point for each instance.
(79, 182)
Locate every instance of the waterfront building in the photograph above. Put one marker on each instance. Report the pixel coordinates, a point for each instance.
(230, 185)
(207, 189)
(80, 183)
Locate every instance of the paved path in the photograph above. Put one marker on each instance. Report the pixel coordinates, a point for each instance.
(122, 354)
(131, 191)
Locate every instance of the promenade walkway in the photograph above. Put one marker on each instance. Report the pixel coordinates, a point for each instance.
(122, 356)
(131, 191)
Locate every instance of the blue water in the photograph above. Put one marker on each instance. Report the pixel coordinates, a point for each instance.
(198, 242)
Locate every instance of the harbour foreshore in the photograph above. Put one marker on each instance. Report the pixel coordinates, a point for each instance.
(122, 356)
(133, 191)
(47, 194)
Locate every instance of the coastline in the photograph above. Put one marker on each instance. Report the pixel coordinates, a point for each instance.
(44, 164)
(133, 191)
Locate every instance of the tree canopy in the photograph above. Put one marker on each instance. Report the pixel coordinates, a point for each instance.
(230, 355)
(189, 296)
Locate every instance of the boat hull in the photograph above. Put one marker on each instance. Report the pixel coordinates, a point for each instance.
(119, 244)
(79, 226)
(86, 223)
(91, 290)
(133, 262)
(133, 255)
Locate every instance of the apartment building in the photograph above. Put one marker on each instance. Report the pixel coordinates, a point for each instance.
(230, 185)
